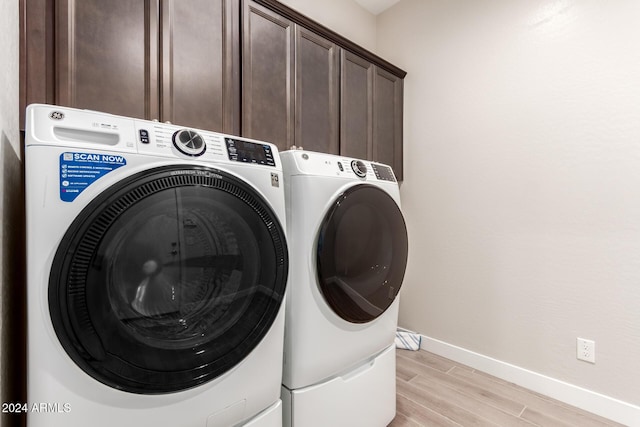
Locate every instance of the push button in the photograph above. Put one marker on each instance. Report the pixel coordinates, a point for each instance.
(144, 136)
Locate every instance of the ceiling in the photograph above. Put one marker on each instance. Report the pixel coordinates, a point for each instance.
(376, 6)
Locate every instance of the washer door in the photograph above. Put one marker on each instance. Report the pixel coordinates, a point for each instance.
(362, 253)
(168, 280)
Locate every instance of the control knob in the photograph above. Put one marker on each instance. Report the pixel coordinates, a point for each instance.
(359, 168)
(189, 142)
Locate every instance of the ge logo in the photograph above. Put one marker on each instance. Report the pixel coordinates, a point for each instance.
(56, 115)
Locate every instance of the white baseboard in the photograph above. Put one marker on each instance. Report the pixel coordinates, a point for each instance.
(605, 406)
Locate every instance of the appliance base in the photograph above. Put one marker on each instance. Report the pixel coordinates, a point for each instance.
(270, 417)
(363, 397)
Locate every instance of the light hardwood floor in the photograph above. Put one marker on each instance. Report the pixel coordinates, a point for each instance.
(434, 391)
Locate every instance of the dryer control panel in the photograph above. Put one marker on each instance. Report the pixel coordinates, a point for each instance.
(383, 172)
(312, 163)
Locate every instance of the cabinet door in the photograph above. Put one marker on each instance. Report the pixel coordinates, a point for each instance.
(267, 76)
(356, 106)
(106, 56)
(317, 91)
(387, 120)
(200, 64)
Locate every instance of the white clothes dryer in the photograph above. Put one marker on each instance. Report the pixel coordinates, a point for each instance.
(156, 273)
(348, 244)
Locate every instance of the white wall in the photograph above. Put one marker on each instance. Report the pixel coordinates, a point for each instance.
(522, 181)
(10, 205)
(345, 17)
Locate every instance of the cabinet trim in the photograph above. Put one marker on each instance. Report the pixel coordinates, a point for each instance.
(232, 111)
(37, 78)
(152, 61)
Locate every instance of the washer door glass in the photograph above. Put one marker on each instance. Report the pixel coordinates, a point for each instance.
(362, 253)
(168, 280)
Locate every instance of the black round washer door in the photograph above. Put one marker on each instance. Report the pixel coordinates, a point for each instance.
(362, 253)
(168, 280)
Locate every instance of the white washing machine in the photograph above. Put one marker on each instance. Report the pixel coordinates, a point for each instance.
(348, 246)
(157, 266)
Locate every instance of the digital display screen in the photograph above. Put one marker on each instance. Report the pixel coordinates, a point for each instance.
(249, 152)
(383, 173)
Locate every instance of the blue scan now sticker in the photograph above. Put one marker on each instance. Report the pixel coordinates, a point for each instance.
(79, 170)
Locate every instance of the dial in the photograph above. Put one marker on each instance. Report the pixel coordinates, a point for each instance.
(189, 142)
(359, 168)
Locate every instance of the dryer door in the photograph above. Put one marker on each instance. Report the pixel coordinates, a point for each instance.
(168, 280)
(362, 253)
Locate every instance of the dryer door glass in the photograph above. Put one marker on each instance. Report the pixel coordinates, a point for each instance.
(168, 280)
(362, 253)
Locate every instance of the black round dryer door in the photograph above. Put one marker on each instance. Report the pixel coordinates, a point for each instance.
(362, 253)
(168, 280)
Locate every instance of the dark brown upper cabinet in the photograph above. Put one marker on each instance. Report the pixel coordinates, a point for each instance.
(267, 76)
(171, 60)
(317, 92)
(290, 84)
(387, 120)
(356, 107)
(251, 67)
(200, 64)
(101, 51)
(345, 100)
(370, 112)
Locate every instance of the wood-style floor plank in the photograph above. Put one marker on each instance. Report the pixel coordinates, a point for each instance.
(414, 411)
(402, 420)
(434, 391)
(469, 402)
(538, 407)
(441, 402)
(469, 389)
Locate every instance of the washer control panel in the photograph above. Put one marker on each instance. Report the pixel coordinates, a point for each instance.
(80, 130)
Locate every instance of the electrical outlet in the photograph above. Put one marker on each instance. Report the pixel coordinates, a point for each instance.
(586, 350)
